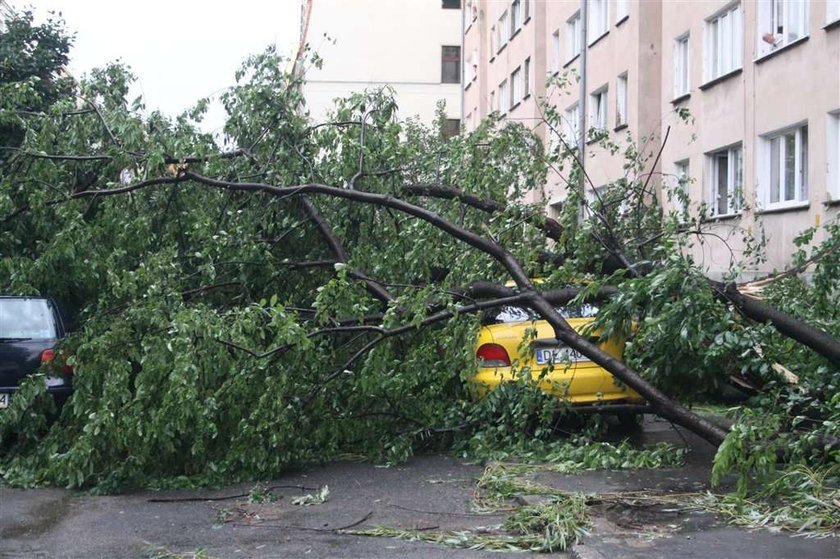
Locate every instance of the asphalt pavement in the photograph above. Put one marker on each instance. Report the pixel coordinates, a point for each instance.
(427, 494)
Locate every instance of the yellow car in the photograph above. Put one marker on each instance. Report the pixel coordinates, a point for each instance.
(503, 352)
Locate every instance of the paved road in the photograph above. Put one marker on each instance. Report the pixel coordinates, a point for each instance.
(429, 492)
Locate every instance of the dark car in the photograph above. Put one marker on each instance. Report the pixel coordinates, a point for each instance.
(30, 328)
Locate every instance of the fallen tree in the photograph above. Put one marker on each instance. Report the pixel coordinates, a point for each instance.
(307, 291)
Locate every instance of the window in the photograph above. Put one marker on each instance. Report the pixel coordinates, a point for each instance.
(679, 194)
(784, 170)
(526, 79)
(599, 19)
(516, 87)
(832, 10)
(833, 152)
(28, 318)
(727, 180)
(572, 125)
(451, 127)
(493, 42)
(471, 68)
(553, 140)
(724, 44)
(681, 66)
(451, 4)
(781, 22)
(621, 100)
(493, 101)
(574, 39)
(526, 10)
(504, 97)
(555, 52)
(515, 17)
(598, 109)
(450, 65)
(622, 9)
(501, 31)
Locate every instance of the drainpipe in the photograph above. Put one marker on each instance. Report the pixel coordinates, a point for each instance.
(584, 24)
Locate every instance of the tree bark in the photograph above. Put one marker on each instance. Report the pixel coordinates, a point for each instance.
(789, 326)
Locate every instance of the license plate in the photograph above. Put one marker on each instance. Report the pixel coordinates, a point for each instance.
(5, 399)
(558, 355)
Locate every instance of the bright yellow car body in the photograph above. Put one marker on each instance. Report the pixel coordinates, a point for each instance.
(504, 353)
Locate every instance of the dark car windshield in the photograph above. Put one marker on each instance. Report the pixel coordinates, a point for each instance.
(506, 315)
(26, 318)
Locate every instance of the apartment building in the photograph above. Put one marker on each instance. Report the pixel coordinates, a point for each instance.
(512, 47)
(759, 79)
(762, 83)
(413, 46)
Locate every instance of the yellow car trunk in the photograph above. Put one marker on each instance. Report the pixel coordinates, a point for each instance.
(557, 369)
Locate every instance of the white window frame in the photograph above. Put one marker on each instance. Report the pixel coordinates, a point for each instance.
(682, 65)
(553, 139)
(502, 31)
(599, 20)
(470, 13)
(492, 42)
(599, 103)
(474, 64)
(776, 175)
(832, 11)
(555, 51)
(574, 36)
(526, 77)
(682, 177)
(724, 40)
(622, 10)
(515, 17)
(516, 87)
(833, 155)
(571, 125)
(621, 100)
(780, 23)
(504, 97)
(734, 179)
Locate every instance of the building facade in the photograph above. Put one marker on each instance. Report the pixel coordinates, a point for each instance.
(746, 93)
(413, 46)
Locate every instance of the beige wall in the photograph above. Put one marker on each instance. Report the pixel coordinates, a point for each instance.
(371, 43)
(797, 84)
(794, 84)
(630, 45)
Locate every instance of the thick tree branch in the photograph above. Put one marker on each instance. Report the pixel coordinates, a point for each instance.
(340, 252)
(787, 325)
(564, 332)
(553, 229)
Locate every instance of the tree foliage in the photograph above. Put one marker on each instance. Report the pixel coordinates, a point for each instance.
(32, 58)
(308, 290)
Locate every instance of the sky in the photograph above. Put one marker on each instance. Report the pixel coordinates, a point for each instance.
(180, 50)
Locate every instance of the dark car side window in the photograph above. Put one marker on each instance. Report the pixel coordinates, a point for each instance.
(27, 318)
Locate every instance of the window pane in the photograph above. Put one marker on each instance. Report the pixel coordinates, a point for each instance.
(737, 186)
(722, 174)
(715, 49)
(790, 165)
(451, 127)
(775, 157)
(527, 77)
(451, 65)
(451, 4)
(26, 318)
(803, 163)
